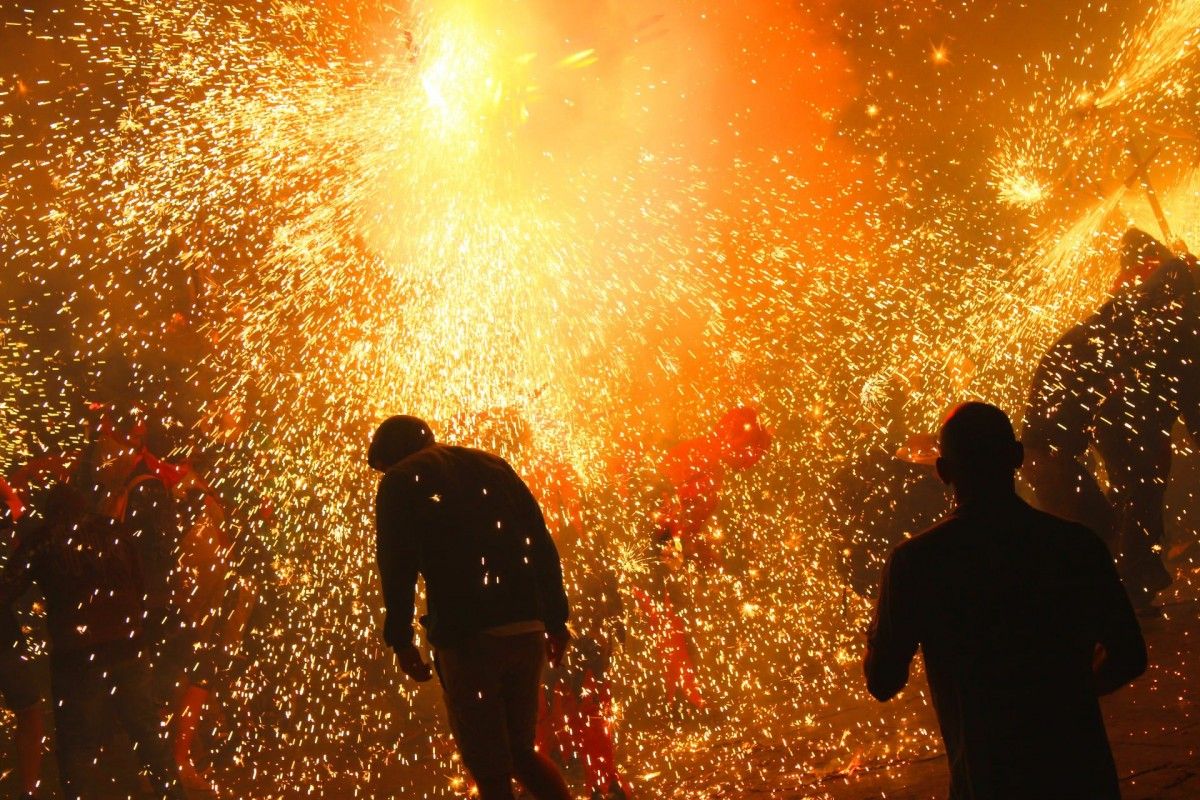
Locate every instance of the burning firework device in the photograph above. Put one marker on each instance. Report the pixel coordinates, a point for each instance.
(1141, 174)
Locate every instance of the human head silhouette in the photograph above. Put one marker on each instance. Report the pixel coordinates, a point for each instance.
(1141, 254)
(397, 438)
(1139, 249)
(978, 450)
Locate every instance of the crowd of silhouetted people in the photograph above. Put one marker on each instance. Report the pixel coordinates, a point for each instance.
(146, 598)
(1024, 615)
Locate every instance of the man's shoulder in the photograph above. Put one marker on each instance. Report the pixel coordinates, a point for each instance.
(468, 454)
(1078, 347)
(930, 540)
(1072, 338)
(479, 465)
(424, 466)
(1077, 543)
(1052, 523)
(955, 526)
(437, 462)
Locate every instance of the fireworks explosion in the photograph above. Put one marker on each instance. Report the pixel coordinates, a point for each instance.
(578, 233)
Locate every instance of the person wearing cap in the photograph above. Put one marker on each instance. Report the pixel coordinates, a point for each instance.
(496, 608)
(1119, 381)
(1023, 624)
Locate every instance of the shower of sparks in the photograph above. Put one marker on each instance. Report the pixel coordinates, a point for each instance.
(1069, 166)
(281, 222)
(1018, 179)
(1022, 190)
(1154, 54)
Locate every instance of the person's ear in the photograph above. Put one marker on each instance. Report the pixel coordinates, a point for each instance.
(1018, 455)
(943, 470)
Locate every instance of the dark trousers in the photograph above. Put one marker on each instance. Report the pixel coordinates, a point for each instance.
(1139, 510)
(90, 694)
(490, 685)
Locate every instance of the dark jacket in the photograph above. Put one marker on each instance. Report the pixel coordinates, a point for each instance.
(87, 567)
(1008, 605)
(467, 523)
(151, 516)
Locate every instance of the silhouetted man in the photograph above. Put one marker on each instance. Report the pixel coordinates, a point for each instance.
(464, 521)
(1159, 384)
(1023, 623)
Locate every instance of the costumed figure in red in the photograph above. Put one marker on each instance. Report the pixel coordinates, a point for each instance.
(695, 472)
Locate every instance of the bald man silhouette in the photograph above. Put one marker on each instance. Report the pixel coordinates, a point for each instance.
(1022, 622)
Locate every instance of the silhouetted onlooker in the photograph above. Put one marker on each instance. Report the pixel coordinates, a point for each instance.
(18, 675)
(1119, 381)
(1023, 623)
(1158, 385)
(86, 566)
(463, 520)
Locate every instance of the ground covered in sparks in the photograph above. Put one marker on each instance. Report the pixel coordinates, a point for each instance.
(1154, 726)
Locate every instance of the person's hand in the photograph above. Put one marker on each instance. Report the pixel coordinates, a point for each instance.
(413, 665)
(556, 646)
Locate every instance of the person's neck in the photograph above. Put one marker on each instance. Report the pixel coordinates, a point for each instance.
(985, 495)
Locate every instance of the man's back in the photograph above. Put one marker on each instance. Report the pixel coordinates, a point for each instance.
(1008, 605)
(473, 530)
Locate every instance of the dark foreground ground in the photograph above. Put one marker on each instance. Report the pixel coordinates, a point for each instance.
(1154, 726)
